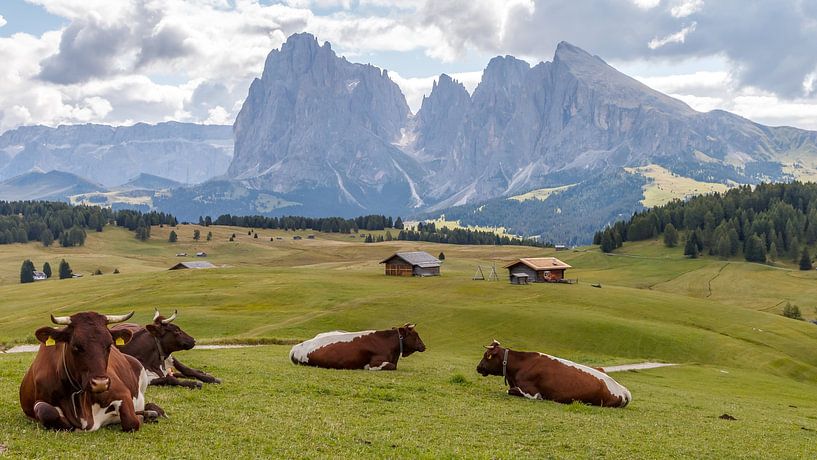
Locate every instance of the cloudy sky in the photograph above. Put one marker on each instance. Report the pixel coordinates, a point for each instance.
(124, 61)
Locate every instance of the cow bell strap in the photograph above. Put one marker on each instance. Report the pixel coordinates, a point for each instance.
(161, 350)
(74, 385)
(505, 366)
(400, 339)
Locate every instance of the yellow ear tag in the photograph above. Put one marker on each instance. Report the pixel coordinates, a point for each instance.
(120, 341)
(50, 342)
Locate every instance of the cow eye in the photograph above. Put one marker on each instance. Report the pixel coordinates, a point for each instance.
(77, 348)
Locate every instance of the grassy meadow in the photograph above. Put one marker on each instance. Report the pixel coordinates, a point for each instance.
(718, 320)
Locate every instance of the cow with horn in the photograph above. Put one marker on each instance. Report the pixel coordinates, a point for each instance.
(370, 350)
(154, 344)
(539, 376)
(80, 381)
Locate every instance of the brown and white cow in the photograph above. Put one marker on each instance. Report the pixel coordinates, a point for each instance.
(539, 376)
(154, 345)
(80, 381)
(370, 350)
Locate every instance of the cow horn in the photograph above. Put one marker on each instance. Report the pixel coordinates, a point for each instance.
(156, 315)
(492, 345)
(61, 320)
(172, 317)
(118, 318)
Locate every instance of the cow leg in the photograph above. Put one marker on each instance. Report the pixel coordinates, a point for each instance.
(193, 373)
(155, 408)
(380, 364)
(50, 417)
(169, 380)
(128, 417)
(525, 391)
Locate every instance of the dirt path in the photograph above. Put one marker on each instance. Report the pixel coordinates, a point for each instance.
(635, 367)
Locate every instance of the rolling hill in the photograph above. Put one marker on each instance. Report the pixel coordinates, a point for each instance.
(718, 319)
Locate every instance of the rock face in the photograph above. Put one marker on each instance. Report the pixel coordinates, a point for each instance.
(329, 134)
(317, 127)
(111, 156)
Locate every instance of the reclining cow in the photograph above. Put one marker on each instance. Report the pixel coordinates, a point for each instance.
(80, 381)
(539, 376)
(154, 345)
(370, 350)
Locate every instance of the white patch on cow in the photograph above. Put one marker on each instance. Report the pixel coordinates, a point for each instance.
(152, 375)
(537, 396)
(139, 399)
(300, 352)
(101, 416)
(615, 388)
(375, 368)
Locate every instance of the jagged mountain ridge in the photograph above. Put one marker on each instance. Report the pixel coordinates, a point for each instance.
(318, 127)
(112, 155)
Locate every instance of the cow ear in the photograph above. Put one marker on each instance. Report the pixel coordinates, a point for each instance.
(121, 336)
(154, 329)
(49, 334)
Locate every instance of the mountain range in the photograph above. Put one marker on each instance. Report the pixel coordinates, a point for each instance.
(557, 149)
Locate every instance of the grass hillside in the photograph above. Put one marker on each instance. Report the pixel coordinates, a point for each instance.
(719, 320)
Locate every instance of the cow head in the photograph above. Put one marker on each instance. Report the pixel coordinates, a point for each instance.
(491, 363)
(87, 344)
(171, 337)
(411, 340)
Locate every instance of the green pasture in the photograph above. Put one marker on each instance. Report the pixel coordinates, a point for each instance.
(719, 320)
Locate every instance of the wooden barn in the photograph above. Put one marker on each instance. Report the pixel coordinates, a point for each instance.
(412, 264)
(537, 270)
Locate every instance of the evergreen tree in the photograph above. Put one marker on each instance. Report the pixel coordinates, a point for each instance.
(173, 237)
(755, 250)
(724, 249)
(670, 236)
(27, 272)
(607, 243)
(792, 311)
(65, 270)
(47, 237)
(196, 234)
(210, 234)
(773, 252)
(47, 270)
(691, 246)
(255, 235)
(441, 256)
(805, 260)
(398, 224)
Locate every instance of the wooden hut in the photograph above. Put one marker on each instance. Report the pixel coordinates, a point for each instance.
(192, 265)
(537, 270)
(412, 264)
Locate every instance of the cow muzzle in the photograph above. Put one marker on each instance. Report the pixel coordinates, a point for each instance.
(100, 384)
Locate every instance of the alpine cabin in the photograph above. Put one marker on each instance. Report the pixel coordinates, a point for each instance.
(412, 264)
(537, 270)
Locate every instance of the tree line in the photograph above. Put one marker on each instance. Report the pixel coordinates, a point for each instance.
(767, 222)
(322, 224)
(429, 232)
(53, 221)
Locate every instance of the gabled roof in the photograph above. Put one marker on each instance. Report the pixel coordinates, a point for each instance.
(419, 258)
(541, 263)
(196, 264)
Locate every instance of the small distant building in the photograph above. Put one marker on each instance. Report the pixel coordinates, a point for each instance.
(412, 264)
(537, 270)
(310, 237)
(181, 254)
(39, 276)
(197, 265)
(201, 254)
(297, 238)
(561, 247)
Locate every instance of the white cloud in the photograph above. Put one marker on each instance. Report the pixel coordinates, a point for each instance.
(686, 8)
(2, 21)
(646, 4)
(678, 37)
